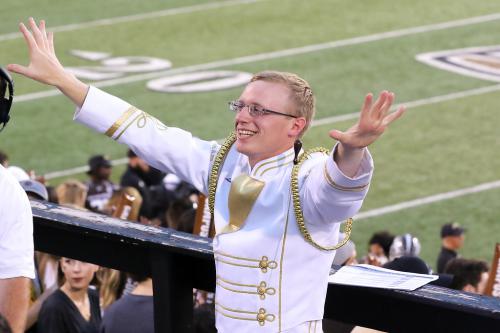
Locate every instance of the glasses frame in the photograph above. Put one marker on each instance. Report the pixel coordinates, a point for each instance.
(255, 110)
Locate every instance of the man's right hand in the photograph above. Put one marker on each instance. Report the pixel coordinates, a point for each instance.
(44, 66)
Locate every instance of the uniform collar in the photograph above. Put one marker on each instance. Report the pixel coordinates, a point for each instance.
(273, 165)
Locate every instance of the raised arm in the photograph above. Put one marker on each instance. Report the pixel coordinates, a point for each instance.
(44, 66)
(373, 121)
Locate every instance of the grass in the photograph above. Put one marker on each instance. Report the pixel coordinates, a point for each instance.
(435, 148)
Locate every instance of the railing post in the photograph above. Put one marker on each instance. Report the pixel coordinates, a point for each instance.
(173, 293)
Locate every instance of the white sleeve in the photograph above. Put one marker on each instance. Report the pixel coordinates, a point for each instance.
(327, 195)
(165, 148)
(16, 231)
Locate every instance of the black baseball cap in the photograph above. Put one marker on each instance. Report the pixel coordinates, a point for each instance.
(451, 229)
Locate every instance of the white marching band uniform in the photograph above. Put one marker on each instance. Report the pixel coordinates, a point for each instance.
(269, 279)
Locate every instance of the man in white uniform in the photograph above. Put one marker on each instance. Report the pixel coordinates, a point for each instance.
(16, 235)
(276, 214)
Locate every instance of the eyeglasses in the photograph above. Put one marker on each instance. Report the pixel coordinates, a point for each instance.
(254, 110)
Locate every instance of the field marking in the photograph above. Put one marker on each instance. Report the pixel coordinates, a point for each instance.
(427, 200)
(319, 122)
(276, 54)
(137, 17)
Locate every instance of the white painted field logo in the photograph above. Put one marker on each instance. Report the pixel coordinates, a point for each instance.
(479, 62)
(115, 67)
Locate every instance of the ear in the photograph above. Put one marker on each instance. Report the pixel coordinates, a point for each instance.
(297, 127)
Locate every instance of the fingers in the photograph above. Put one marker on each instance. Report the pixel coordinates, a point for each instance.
(365, 109)
(337, 135)
(393, 116)
(384, 108)
(36, 33)
(28, 37)
(44, 35)
(18, 69)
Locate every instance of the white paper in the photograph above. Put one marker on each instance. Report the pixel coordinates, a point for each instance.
(377, 277)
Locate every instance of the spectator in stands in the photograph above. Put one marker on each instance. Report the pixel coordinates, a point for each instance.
(35, 190)
(72, 193)
(404, 245)
(133, 312)
(99, 187)
(204, 319)
(452, 239)
(379, 246)
(468, 274)
(74, 307)
(125, 204)
(144, 178)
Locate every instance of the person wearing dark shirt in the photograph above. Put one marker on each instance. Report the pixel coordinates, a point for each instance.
(452, 238)
(133, 312)
(148, 181)
(99, 187)
(73, 308)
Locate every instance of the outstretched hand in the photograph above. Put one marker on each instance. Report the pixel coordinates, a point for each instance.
(373, 121)
(44, 66)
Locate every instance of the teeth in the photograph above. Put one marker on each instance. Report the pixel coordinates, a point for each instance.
(246, 132)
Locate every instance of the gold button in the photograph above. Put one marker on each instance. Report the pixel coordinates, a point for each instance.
(261, 317)
(261, 290)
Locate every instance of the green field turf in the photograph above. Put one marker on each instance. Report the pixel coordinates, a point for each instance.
(435, 148)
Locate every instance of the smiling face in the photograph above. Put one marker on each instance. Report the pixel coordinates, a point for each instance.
(78, 274)
(265, 136)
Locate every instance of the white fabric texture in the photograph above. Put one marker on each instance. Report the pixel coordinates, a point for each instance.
(16, 229)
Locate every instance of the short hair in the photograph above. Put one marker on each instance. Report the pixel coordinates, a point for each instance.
(300, 93)
(384, 239)
(465, 271)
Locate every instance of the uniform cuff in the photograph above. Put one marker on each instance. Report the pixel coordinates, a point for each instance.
(92, 114)
(337, 179)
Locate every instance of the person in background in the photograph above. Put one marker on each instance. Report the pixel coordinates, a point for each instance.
(133, 312)
(378, 248)
(35, 190)
(74, 307)
(99, 187)
(452, 239)
(16, 232)
(72, 193)
(468, 274)
(404, 245)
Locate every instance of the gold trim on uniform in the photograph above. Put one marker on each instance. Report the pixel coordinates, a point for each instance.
(264, 263)
(123, 118)
(261, 289)
(336, 186)
(141, 121)
(269, 162)
(260, 316)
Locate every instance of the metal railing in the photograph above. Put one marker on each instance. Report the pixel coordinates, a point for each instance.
(179, 262)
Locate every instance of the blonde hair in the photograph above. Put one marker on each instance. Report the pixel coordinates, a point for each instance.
(300, 93)
(119, 198)
(72, 193)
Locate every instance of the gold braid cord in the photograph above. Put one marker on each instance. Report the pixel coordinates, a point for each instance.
(214, 176)
(214, 173)
(298, 209)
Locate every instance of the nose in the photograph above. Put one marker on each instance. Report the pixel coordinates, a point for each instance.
(77, 266)
(243, 115)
